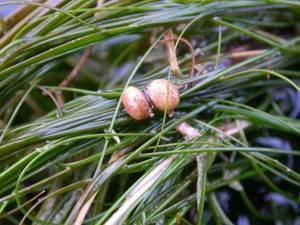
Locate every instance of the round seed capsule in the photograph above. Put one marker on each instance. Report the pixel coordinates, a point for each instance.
(163, 94)
(135, 103)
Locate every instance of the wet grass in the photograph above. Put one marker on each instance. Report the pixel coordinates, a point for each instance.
(84, 161)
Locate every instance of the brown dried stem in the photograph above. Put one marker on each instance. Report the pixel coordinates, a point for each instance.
(187, 43)
(56, 102)
(73, 74)
(172, 53)
(246, 54)
(77, 68)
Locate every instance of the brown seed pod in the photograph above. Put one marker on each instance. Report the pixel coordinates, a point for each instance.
(163, 94)
(136, 104)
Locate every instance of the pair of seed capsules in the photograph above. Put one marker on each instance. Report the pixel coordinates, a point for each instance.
(160, 93)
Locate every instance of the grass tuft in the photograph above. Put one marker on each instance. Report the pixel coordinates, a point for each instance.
(69, 154)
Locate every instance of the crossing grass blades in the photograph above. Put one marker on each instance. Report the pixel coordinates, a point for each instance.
(228, 154)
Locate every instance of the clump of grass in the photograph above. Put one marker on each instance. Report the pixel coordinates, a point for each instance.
(70, 154)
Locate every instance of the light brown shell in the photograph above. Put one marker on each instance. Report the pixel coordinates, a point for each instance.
(163, 94)
(135, 103)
